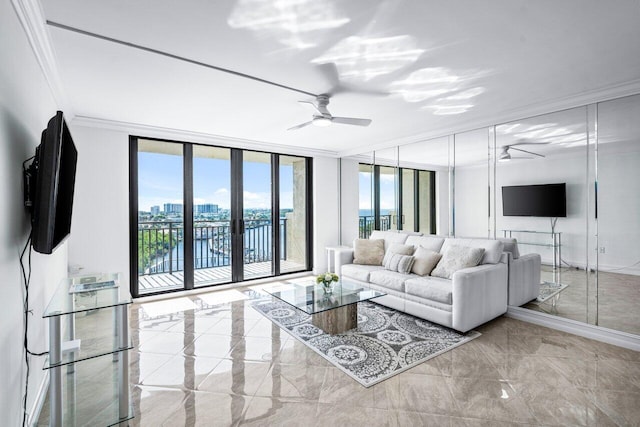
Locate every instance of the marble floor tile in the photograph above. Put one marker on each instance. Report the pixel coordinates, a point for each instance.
(421, 393)
(339, 389)
(328, 415)
(563, 406)
(488, 399)
(153, 405)
(166, 343)
(620, 406)
(208, 410)
(235, 377)
(212, 345)
(263, 411)
(225, 364)
(182, 371)
(293, 382)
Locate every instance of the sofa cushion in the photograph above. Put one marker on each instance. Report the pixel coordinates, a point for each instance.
(389, 237)
(389, 279)
(428, 242)
(492, 248)
(511, 246)
(397, 248)
(368, 251)
(431, 288)
(359, 272)
(456, 258)
(424, 261)
(398, 262)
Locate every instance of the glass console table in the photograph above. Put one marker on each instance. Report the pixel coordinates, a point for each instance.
(95, 309)
(554, 243)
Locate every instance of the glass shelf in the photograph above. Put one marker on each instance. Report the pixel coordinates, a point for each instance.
(85, 354)
(64, 301)
(90, 395)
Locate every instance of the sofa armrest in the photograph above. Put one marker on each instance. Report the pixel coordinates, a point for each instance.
(524, 279)
(479, 294)
(342, 256)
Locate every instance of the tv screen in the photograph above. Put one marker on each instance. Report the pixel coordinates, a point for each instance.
(547, 200)
(54, 171)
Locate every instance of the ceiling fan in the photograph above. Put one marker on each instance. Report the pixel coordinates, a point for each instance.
(505, 156)
(323, 117)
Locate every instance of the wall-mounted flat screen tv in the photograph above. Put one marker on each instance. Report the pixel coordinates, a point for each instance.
(53, 172)
(546, 200)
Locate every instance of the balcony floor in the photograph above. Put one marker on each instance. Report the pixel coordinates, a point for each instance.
(208, 276)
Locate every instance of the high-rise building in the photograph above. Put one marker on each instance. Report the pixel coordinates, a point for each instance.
(207, 208)
(155, 210)
(173, 208)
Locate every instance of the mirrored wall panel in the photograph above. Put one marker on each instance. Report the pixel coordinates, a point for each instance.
(563, 186)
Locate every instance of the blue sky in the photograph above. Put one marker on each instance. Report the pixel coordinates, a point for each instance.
(160, 181)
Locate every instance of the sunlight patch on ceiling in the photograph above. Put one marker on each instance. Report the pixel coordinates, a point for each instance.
(554, 133)
(448, 92)
(365, 58)
(294, 23)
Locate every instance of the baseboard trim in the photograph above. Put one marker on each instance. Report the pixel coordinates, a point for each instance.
(34, 414)
(609, 336)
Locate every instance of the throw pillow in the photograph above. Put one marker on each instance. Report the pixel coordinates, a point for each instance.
(368, 251)
(456, 258)
(425, 261)
(398, 262)
(397, 248)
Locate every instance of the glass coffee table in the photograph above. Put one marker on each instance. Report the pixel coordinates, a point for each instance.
(334, 313)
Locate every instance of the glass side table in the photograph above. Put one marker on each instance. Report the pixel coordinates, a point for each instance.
(87, 294)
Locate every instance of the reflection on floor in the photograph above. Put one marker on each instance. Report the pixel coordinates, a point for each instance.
(618, 299)
(212, 360)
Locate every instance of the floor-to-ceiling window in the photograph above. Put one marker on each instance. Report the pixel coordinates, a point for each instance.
(392, 198)
(204, 215)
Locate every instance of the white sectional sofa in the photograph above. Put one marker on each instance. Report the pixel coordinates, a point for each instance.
(524, 274)
(470, 298)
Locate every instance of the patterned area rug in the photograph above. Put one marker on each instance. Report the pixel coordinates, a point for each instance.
(385, 343)
(549, 290)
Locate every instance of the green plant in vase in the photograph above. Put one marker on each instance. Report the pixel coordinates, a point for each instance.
(327, 280)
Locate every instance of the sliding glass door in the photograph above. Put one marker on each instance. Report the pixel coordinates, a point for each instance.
(212, 256)
(204, 215)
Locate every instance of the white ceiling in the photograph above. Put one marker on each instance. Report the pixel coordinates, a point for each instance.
(443, 65)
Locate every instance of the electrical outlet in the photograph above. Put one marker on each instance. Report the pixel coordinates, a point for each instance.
(602, 251)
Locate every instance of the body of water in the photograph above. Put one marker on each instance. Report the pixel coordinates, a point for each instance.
(215, 251)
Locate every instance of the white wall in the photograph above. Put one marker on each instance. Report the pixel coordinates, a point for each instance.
(26, 105)
(350, 192)
(471, 202)
(443, 215)
(100, 231)
(619, 210)
(326, 202)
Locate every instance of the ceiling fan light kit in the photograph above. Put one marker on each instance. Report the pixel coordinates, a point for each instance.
(324, 117)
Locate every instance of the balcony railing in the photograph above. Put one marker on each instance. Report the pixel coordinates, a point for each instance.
(161, 244)
(367, 224)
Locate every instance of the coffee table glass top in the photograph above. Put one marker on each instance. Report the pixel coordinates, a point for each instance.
(311, 298)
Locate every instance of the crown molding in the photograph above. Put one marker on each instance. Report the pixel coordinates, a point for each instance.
(32, 19)
(159, 132)
(534, 109)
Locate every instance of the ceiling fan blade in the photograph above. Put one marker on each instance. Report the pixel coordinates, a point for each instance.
(301, 125)
(351, 121)
(521, 158)
(524, 142)
(315, 107)
(331, 75)
(528, 152)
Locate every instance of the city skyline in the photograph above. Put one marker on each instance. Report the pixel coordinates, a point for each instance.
(160, 181)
